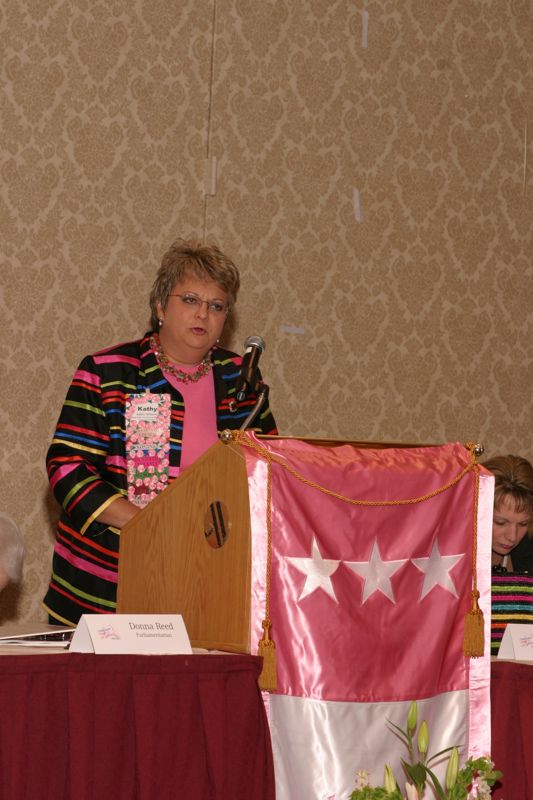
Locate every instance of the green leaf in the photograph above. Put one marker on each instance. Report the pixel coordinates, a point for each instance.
(439, 791)
(401, 733)
(440, 753)
(417, 772)
(375, 793)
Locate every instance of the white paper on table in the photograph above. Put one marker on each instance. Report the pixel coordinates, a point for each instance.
(35, 634)
(517, 642)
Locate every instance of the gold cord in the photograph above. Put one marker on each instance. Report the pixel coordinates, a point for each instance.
(474, 634)
(240, 437)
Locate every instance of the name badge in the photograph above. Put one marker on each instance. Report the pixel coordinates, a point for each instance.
(147, 445)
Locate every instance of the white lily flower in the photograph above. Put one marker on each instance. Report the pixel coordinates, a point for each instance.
(411, 792)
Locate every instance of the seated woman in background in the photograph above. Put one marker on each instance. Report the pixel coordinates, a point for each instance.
(512, 590)
(135, 415)
(513, 506)
(11, 551)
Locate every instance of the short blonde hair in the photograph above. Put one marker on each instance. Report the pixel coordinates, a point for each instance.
(205, 261)
(11, 548)
(513, 478)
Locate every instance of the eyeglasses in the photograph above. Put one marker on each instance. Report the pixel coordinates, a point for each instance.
(192, 300)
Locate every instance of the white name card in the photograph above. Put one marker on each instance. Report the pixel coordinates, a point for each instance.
(517, 642)
(150, 634)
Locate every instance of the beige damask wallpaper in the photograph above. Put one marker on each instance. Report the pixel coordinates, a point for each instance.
(368, 165)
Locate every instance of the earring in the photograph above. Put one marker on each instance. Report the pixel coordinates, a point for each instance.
(160, 321)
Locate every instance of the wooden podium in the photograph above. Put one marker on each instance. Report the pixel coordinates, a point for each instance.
(188, 552)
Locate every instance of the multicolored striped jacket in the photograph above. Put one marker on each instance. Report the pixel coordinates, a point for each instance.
(86, 465)
(511, 601)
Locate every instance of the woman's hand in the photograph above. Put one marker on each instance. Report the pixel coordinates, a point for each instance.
(118, 513)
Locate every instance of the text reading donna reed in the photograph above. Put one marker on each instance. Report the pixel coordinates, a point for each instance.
(151, 626)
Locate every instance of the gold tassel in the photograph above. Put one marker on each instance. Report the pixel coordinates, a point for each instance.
(267, 649)
(474, 637)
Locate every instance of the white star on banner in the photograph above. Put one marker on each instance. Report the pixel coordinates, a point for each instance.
(376, 573)
(318, 572)
(436, 570)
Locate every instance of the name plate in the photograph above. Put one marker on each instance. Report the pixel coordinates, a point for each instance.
(149, 634)
(517, 642)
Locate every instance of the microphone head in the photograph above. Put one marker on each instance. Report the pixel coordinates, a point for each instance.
(254, 341)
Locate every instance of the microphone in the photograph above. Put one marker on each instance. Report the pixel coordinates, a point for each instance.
(253, 347)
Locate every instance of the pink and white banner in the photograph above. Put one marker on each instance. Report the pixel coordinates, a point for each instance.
(367, 604)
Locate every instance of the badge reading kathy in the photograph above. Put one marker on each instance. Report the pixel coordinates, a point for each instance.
(147, 445)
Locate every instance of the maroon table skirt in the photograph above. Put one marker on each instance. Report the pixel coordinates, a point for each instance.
(512, 729)
(84, 727)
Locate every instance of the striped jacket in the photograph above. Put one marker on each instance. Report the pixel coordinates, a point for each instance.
(86, 465)
(511, 602)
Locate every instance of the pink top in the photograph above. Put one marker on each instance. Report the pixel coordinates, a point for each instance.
(200, 417)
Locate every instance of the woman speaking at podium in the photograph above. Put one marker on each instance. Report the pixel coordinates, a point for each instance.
(135, 415)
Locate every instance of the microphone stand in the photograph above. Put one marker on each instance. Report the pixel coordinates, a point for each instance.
(261, 397)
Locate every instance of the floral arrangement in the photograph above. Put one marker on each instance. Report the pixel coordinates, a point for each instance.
(474, 780)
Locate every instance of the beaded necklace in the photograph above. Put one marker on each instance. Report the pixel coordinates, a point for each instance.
(171, 369)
